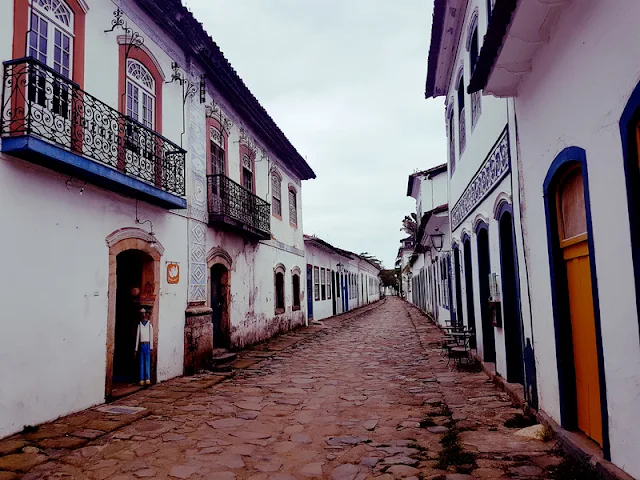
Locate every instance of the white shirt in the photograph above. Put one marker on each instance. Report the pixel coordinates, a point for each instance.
(145, 334)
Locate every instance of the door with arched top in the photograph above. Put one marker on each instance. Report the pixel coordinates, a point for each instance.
(573, 243)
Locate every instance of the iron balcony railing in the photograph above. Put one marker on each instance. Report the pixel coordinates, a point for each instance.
(230, 202)
(37, 101)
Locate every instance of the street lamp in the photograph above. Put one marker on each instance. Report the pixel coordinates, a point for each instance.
(437, 238)
(340, 267)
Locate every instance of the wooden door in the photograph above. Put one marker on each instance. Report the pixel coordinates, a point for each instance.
(220, 316)
(572, 229)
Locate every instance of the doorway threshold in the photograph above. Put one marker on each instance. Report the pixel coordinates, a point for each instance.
(123, 390)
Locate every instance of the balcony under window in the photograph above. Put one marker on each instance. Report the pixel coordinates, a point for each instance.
(47, 119)
(233, 207)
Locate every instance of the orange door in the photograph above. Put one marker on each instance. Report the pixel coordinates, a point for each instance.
(575, 248)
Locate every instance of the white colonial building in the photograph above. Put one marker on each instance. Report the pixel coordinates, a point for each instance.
(337, 280)
(575, 94)
(430, 263)
(113, 117)
(491, 284)
(402, 262)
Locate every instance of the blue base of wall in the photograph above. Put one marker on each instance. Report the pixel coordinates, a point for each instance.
(42, 153)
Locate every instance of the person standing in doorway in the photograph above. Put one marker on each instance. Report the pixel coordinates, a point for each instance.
(144, 340)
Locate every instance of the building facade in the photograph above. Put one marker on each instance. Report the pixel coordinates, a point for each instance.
(490, 282)
(403, 257)
(112, 165)
(337, 280)
(576, 99)
(430, 263)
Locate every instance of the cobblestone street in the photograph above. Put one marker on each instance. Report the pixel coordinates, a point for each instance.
(367, 395)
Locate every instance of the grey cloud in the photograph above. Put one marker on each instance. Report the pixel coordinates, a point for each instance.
(344, 80)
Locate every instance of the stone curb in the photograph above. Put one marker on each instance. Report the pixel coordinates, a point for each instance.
(573, 444)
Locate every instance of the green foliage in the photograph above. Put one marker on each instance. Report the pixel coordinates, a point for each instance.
(410, 225)
(389, 278)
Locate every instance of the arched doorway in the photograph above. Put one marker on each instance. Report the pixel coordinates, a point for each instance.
(134, 282)
(578, 345)
(484, 269)
(458, 285)
(468, 282)
(134, 290)
(220, 306)
(510, 300)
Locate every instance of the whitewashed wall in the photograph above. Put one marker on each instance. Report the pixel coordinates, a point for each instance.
(496, 114)
(54, 293)
(253, 316)
(574, 96)
(316, 257)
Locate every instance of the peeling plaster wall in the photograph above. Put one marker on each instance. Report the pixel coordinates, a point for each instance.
(252, 308)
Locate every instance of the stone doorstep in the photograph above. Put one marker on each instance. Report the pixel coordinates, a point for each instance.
(574, 444)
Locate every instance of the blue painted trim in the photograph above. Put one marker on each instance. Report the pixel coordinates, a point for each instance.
(628, 121)
(507, 208)
(43, 153)
(457, 267)
(465, 238)
(309, 292)
(565, 159)
(482, 225)
(488, 330)
(451, 306)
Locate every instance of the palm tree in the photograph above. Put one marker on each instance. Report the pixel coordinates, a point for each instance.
(410, 225)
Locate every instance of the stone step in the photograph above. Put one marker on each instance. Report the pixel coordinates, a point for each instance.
(221, 356)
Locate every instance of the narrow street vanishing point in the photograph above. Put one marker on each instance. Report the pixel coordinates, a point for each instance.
(365, 395)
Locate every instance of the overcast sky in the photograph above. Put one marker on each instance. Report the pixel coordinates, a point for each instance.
(344, 80)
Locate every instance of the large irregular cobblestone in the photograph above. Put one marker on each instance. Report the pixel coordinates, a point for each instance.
(367, 395)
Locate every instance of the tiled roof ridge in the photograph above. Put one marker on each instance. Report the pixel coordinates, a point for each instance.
(206, 51)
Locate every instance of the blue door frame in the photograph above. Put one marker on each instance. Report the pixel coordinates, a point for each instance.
(346, 295)
(309, 292)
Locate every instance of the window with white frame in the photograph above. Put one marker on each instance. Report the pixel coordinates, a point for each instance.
(293, 207)
(51, 35)
(323, 284)
(141, 97)
(247, 172)
(316, 283)
(50, 41)
(329, 277)
(276, 195)
(216, 139)
(462, 129)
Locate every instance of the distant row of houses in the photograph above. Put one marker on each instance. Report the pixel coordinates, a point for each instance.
(137, 170)
(529, 233)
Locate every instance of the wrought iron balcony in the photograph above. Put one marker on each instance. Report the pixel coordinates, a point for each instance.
(47, 119)
(233, 206)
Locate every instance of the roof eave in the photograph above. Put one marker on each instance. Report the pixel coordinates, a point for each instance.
(439, 10)
(178, 22)
(448, 18)
(501, 17)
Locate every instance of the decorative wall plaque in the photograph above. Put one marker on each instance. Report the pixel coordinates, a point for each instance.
(496, 166)
(173, 273)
